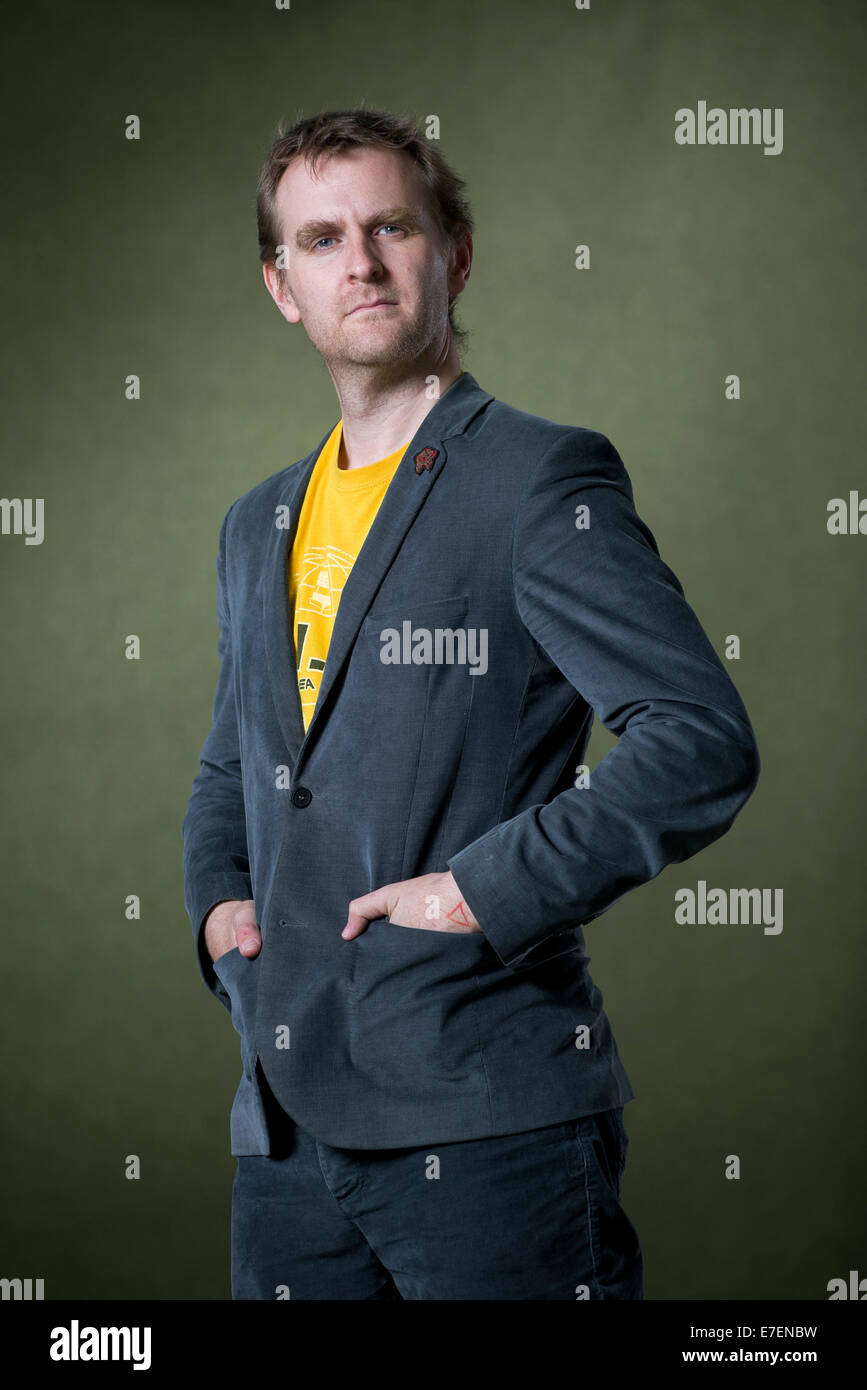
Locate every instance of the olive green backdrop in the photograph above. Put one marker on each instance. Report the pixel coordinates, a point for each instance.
(124, 257)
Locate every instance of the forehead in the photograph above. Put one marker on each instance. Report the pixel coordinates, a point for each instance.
(352, 183)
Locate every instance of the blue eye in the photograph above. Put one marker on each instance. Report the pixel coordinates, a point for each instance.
(386, 226)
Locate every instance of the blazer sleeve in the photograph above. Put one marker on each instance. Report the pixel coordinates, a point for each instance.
(215, 860)
(613, 618)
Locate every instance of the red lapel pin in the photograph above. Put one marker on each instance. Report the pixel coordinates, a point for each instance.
(424, 458)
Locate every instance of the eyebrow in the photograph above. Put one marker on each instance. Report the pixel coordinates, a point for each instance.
(318, 227)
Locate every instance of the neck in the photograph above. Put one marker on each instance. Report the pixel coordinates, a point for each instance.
(382, 408)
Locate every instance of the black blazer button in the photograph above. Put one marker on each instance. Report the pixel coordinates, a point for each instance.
(302, 796)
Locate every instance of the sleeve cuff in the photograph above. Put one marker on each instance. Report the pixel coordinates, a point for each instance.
(508, 924)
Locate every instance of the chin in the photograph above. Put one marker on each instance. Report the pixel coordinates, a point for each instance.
(377, 353)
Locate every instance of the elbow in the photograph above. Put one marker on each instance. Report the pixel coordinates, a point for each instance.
(731, 747)
(742, 770)
(727, 767)
(752, 765)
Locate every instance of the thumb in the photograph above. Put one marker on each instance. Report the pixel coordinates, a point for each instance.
(247, 932)
(366, 909)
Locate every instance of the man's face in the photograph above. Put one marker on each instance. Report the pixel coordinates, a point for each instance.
(361, 230)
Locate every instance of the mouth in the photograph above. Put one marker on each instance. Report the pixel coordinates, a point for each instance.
(375, 304)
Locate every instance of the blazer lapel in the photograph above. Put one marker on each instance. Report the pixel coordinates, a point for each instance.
(416, 474)
(279, 638)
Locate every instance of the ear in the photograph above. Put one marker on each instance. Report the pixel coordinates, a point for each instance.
(274, 283)
(460, 264)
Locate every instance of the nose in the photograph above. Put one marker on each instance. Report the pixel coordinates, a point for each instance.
(363, 262)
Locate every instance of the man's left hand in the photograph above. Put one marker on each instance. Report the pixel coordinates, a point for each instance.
(413, 904)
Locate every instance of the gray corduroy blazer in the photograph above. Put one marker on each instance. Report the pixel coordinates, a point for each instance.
(507, 589)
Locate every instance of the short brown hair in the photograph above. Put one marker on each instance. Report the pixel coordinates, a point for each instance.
(330, 132)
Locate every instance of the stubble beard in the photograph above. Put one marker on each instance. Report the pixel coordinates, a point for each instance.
(402, 345)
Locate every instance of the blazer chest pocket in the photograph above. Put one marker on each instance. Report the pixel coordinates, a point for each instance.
(413, 616)
(421, 644)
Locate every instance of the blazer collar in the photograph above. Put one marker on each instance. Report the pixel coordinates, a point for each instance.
(416, 474)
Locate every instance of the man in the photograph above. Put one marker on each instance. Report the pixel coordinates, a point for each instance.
(392, 844)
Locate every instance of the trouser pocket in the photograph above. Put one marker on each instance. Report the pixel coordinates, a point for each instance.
(603, 1136)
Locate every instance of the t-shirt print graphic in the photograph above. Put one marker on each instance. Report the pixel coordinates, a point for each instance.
(319, 580)
(322, 574)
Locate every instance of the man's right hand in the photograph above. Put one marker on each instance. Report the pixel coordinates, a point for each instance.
(232, 923)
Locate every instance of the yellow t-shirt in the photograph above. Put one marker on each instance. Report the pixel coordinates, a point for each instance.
(339, 507)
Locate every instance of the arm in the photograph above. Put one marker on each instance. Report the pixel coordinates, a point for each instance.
(216, 863)
(613, 618)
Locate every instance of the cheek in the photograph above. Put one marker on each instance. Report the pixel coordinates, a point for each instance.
(322, 317)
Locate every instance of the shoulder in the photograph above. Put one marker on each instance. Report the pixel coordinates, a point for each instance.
(259, 503)
(544, 450)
